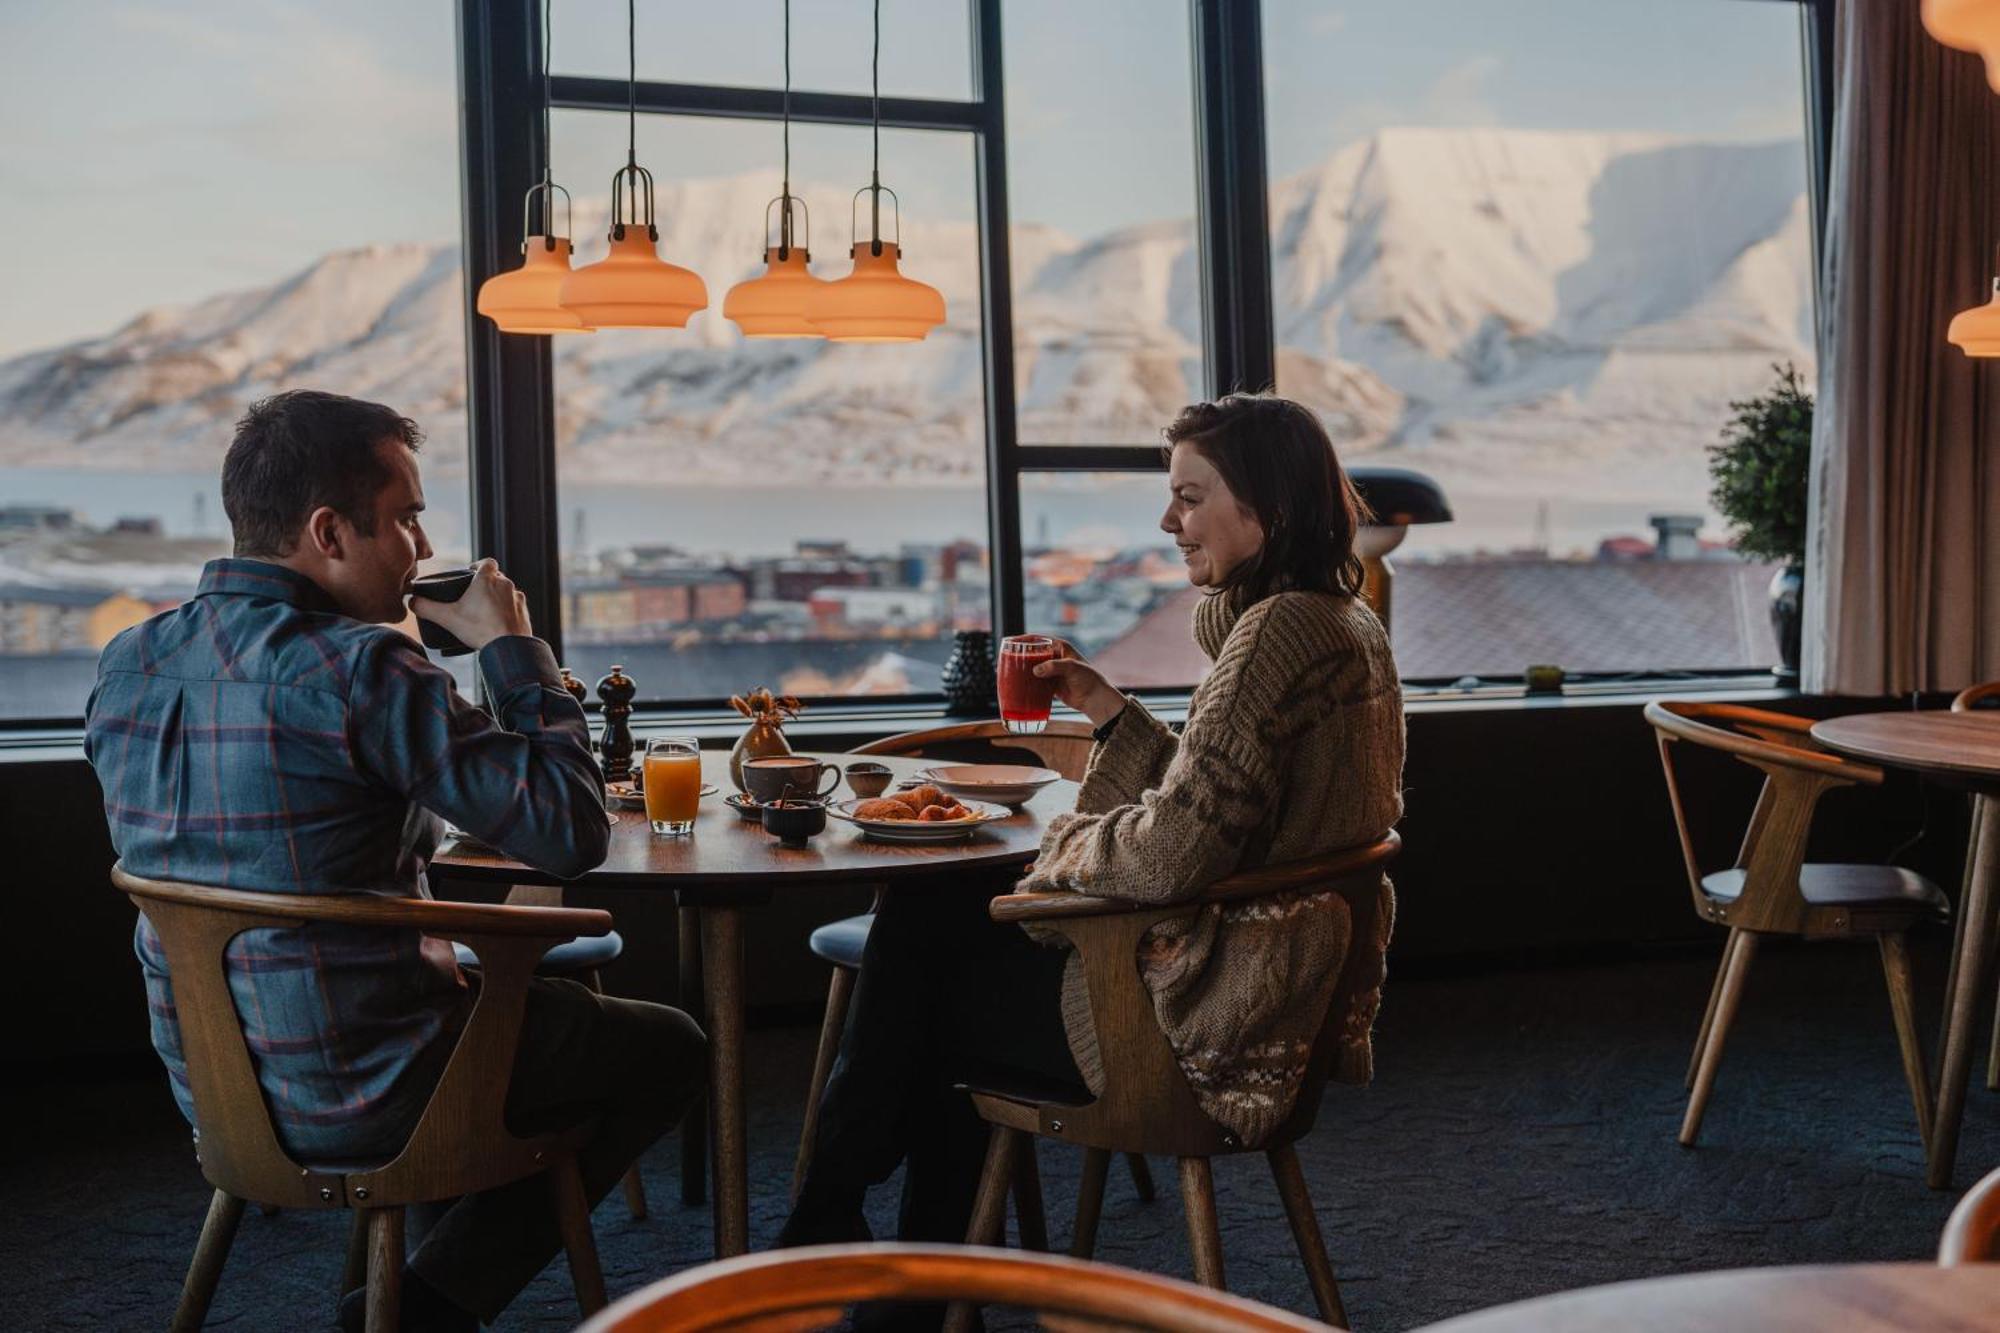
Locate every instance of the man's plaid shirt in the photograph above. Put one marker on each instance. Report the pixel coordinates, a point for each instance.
(255, 738)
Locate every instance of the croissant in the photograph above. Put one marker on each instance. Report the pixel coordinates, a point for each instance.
(936, 813)
(916, 798)
(884, 808)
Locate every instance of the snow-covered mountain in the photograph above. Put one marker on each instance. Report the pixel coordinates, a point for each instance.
(1522, 310)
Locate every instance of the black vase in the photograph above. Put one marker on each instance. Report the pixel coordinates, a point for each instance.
(1788, 588)
(970, 689)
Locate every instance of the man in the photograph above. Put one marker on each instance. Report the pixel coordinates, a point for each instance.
(276, 733)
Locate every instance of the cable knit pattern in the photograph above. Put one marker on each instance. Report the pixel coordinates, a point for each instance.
(1293, 747)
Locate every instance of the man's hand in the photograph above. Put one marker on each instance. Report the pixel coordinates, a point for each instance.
(1081, 685)
(491, 608)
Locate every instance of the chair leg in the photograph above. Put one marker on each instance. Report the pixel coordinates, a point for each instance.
(1708, 1015)
(839, 991)
(1028, 1215)
(1090, 1200)
(385, 1269)
(1305, 1233)
(989, 1210)
(1993, 1055)
(1204, 1228)
(1903, 1005)
(1142, 1176)
(1743, 949)
(354, 1274)
(573, 1221)
(694, 1125)
(218, 1231)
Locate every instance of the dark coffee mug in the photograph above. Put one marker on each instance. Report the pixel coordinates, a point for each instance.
(792, 777)
(445, 586)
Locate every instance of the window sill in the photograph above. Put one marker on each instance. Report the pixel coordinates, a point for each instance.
(856, 723)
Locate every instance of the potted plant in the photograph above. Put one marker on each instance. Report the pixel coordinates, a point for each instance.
(1759, 473)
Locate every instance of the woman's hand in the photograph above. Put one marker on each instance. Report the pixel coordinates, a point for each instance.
(1081, 685)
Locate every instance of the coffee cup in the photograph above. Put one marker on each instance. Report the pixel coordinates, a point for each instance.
(790, 777)
(444, 586)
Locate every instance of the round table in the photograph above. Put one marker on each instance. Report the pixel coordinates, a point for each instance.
(729, 864)
(1854, 1298)
(1963, 750)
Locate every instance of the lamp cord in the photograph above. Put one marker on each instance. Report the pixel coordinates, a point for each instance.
(632, 83)
(875, 168)
(785, 202)
(548, 64)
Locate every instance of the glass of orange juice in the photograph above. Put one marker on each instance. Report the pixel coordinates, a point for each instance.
(673, 784)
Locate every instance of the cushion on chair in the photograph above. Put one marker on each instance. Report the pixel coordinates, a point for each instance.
(1845, 886)
(841, 942)
(573, 958)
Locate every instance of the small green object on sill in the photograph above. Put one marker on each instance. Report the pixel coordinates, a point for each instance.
(1545, 680)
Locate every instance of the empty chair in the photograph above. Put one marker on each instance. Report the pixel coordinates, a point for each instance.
(1972, 1232)
(1062, 746)
(1772, 890)
(461, 1143)
(793, 1290)
(1146, 1104)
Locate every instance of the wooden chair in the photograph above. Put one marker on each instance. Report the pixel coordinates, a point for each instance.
(1772, 890)
(1984, 695)
(1147, 1105)
(1972, 1232)
(789, 1291)
(1063, 746)
(461, 1143)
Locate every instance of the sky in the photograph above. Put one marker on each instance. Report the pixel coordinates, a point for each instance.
(160, 151)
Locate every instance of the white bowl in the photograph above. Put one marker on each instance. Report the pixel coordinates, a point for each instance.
(1003, 784)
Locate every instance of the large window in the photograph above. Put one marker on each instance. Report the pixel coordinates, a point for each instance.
(229, 200)
(1533, 248)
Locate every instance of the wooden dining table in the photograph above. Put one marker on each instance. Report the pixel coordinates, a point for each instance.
(1852, 1298)
(728, 866)
(1960, 750)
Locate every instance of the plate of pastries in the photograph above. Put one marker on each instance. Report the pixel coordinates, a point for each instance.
(924, 813)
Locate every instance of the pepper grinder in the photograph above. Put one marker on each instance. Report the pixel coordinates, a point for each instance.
(577, 688)
(616, 691)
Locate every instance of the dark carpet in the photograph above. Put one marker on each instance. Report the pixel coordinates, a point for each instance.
(1519, 1139)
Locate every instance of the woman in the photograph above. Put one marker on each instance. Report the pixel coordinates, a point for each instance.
(1293, 746)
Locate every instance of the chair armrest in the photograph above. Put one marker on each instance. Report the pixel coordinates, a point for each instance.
(1686, 721)
(447, 920)
(1264, 880)
(1972, 696)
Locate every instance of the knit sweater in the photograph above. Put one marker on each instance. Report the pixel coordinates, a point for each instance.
(1293, 747)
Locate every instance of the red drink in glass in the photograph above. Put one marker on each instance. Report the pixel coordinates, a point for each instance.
(1024, 696)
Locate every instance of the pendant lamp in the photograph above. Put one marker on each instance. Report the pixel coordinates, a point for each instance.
(632, 287)
(1978, 330)
(526, 299)
(1968, 25)
(876, 303)
(774, 305)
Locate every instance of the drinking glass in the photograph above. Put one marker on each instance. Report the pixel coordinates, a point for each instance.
(673, 784)
(1024, 696)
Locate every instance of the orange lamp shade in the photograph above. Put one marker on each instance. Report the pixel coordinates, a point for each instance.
(633, 288)
(524, 300)
(1978, 330)
(774, 305)
(1968, 25)
(875, 303)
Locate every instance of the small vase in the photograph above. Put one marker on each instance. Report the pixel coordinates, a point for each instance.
(970, 689)
(758, 740)
(1788, 587)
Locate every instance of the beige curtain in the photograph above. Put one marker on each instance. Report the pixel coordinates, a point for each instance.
(1903, 536)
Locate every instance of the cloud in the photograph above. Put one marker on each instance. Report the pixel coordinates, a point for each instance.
(1327, 22)
(1463, 94)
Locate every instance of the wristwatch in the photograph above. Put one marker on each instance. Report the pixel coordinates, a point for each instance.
(1103, 733)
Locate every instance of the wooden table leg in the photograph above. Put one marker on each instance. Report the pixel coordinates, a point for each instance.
(694, 1129)
(722, 967)
(1966, 996)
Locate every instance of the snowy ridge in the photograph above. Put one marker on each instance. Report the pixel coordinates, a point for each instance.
(1519, 310)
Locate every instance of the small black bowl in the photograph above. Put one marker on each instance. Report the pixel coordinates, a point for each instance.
(792, 822)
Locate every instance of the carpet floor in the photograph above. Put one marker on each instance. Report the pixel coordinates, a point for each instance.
(1518, 1140)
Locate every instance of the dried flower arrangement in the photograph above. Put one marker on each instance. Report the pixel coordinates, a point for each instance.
(760, 705)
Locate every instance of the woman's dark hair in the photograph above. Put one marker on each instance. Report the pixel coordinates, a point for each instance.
(296, 451)
(1278, 460)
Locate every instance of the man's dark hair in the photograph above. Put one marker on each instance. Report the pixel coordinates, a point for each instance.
(296, 451)
(1276, 457)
